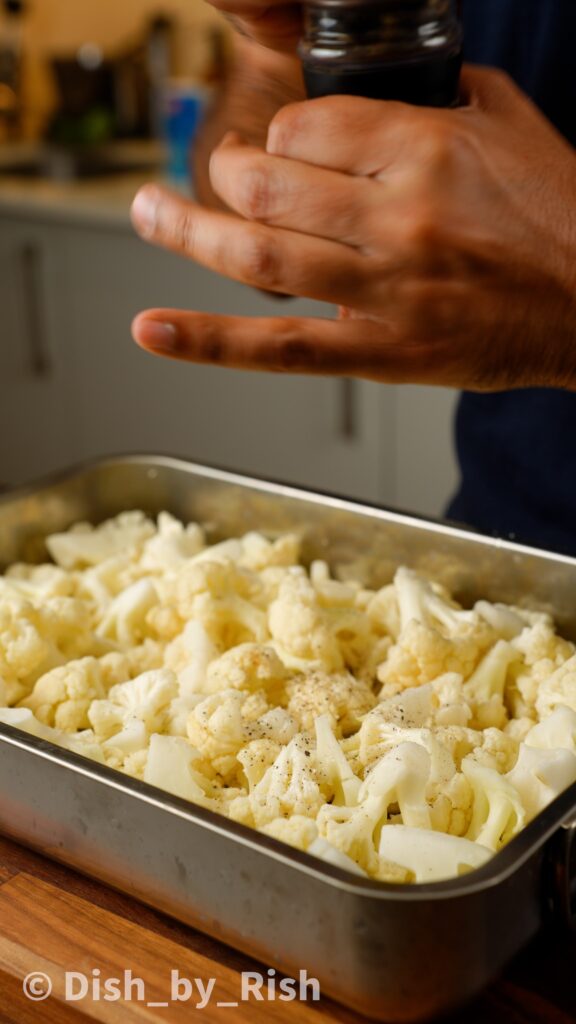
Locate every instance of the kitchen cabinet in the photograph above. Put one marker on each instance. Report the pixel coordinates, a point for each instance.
(35, 428)
(75, 385)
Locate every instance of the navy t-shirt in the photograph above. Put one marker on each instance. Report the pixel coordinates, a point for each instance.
(517, 450)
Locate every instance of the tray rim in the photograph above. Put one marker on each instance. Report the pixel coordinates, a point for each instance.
(329, 499)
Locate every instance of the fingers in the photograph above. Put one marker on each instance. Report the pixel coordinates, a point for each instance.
(255, 254)
(343, 133)
(349, 347)
(293, 195)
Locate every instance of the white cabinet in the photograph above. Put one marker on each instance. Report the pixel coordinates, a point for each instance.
(35, 428)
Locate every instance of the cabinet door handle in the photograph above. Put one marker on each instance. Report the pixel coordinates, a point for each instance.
(39, 361)
(348, 409)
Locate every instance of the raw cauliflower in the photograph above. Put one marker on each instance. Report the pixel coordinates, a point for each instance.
(340, 696)
(63, 697)
(391, 734)
(558, 689)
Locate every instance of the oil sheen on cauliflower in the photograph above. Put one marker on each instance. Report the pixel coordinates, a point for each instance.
(391, 734)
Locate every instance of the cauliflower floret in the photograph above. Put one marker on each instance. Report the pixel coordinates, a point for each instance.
(38, 582)
(402, 777)
(354, 830)
(178, 713)
(135, 764)
(288, 787)
(497, 814)
(297, 831)
(87, 545)
(412, 709)
(25, 653)
(125, 620)
(540, 775)
(62, 697)
(498, 750)
(68, 623)
(274, 724)
(383, 612)
(518, 728)
(217, 729)
(340, 696)
(81, 743)
(147, 697)
(507, 622)
(248, 667)
(484, 690)
(558, 689)
(435, 637)
(343, 784)
(172, 765)
(430, 856)
(259, 553)
(172, 544)
(543, 653)
(132, 737)
(324, 850)
(422, 654)
(377, 737)
(459, 741)
(453, 708)
(189, 656)
(451, 807)
(540, 642)
(300, 626)
(558, 731)
(222, 596)
(256, 757)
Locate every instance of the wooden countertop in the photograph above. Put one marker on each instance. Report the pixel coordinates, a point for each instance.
(54, 920)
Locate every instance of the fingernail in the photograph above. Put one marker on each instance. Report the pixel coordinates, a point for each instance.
(145, 211)
(161, 337)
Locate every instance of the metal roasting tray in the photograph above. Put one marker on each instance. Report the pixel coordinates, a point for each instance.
(394, 953)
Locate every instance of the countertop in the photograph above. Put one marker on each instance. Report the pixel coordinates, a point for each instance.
(103, 200)
(53, 920)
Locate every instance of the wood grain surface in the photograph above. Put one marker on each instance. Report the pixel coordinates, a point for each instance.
(54, 920)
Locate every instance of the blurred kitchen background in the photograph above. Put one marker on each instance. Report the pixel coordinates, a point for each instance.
(96, 97)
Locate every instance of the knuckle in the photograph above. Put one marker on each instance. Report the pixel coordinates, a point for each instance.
(259, 260)
(184, 232)
(210, 347)
(447, 141)
(422, 232)
(286, 126)
(254, 193)
(293, 354)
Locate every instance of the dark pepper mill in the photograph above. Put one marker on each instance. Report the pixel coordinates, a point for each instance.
(407, 50)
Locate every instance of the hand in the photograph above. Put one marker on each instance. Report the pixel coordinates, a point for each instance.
(449, 237)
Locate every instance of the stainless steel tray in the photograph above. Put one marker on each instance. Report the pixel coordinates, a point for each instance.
(394, 953)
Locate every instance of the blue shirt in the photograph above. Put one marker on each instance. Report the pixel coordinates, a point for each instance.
(517, 450)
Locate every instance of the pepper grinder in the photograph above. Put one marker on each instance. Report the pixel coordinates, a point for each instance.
(407, 50)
